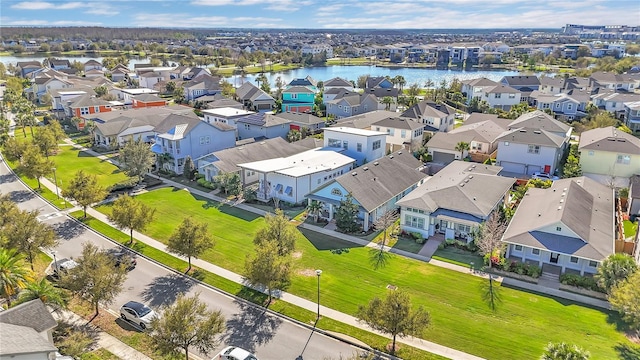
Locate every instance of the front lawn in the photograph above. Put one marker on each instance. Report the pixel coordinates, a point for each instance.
(460, 319)
(460, 257)
(69, 160)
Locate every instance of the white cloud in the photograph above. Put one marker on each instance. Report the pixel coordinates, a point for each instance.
(43, 5)
(188, 20)
(102, 9)
(32, 22)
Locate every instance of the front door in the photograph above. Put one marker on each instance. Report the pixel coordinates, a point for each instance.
(443, 226)
(554, 258)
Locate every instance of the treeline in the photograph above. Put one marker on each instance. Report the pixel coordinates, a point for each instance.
(96, 33)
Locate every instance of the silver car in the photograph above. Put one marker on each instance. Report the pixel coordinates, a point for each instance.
(138, 314)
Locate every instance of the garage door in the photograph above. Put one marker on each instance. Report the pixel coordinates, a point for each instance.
(533, 169)
(442, 157)
(512, 167)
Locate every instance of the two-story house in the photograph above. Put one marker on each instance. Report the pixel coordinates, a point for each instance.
(253, 98)
(147, 100)
(501, 97)
(298, 121)
(92, 64)
(435, 117)
(402, 133)
(348, 104)
(476, 88)
(609, 156)
(298, 99)
(201, 86)
(227, 116)
(526, 84)
(632, 116)
(262, 126)
(480, 136)
(26, 332)
(361, 145)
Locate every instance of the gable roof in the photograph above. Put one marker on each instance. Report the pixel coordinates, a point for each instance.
(32, 314)
(609, 139)
(481, 117)
(148, 98)
(522, 80)
(338, 81)
(176, 126)
(462, 187)
(88, 100)
(298, 89)
(399, 123)
(382, 92)
(301, 118)
(204, 81)
(532, 136)
(540, 121)
(427, 108)
(307, 81)
(502, 89)
(374, 81)
(351, 98)
(583, 205)
(16, 339)
(364, 121)
(484, 131)
(376, 182)
(251, 92)
(479, 82)
(263, 119)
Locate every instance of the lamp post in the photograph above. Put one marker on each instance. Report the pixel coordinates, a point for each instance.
(318, 272)
(55, 262)
(55, 180)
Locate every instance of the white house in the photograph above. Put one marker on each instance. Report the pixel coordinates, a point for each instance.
(361, 145)
(435, 117)
(126, 95)
(225, 115)
(401, 133)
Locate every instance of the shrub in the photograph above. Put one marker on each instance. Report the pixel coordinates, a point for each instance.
(585, 282)
(124, 185)
(421, 241)
(206, 184)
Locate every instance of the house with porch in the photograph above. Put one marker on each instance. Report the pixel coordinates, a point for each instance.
(376, 187)
(297, 121)
(291, 178)
(201, 86)
(361, 145)
(567, 228)
(632, 116)
(455, 201)
(228, 116)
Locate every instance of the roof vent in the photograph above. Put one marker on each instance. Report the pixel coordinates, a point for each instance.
(523, 130)
(474, 198)
(461, 184)
(559, 207)
(466, 181)
(539, 214)
(376, 163)
(561, 201)
(399, 152)
(537, 132)
(390, 156)
(354, 173)
(365, 168)
(470, 176)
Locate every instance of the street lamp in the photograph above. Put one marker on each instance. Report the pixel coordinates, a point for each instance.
(55, 262)
(318, 272)
(56, 182)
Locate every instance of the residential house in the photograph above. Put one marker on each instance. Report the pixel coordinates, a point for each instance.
(26, 332)
(94, 73)
(365, 120)
(613, 101)
(291, 178)
(609, 156)
(181, 136)
(402, 133)
(569, 227)
(219, 101)
(633, 201)
(149, 79)
(476, 88)
(435, 117)
(227, 160)
(568, 106)
(200, 86)
(306, 81)
(378, 82)
(315, 49)
(147, 100)
(613, 81)
(380, 93)
(526, 84)
(551, 85)
(24, 68)
(254, 98)
(298, 99)
(480, 136)
(455, 201)
(348, 104)
(297, 121)
(262, 126)
(502, 97)
(45, 85)
(228, 116)
(61, 98)
(85, 107)
(393, 177)
(59, 64)
(127, 95)
(120, 74)
(361, 145)
(338, 83)
(534, 142)
(481, 117)
(92, 64)
(632, 116)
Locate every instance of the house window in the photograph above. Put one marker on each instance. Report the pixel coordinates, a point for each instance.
(545, 106)
(346, 108)
(464, 228)
(590, 152)
(377, 128)
(569, 106)
(558, 228)
(535, 251)
(319, 180)
(96, 109)
(84, 111)
(334, 143)
(359, 147)
(247, 127)
(390, 131)
(534, 149)
(623, 159)
(518, 248)
(345, 145)
(498, 96)
(512, 96)
(336, 192)
(506, 143)
(294, 96)
(376, 145)
(592, 263)
(403, 133)
(414, 222)
(574, 260)
(557, 105)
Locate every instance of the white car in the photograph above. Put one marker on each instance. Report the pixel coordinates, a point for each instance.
(544, 176)
(59, 267)
(234, 353)
(138, 314)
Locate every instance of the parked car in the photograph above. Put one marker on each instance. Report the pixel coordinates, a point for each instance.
(235, 353)
(544, 176)
(62, 266)
(122, 257)
(138, 314)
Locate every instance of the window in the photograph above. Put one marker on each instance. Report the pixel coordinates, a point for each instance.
(518, 248)
(506, 143)
(247, 127)
(403, 134)
(569, 106)
(334, 143)
(498, 96)
(414, 222)
(345, 144)
(294, 96)
(590, 152)
(464, 228)
(512, 96)
(346, 108)
(557, 105)
(359, 147)
(377, 128)
(593, 263)
(319, 180)
(534, 149)
(558, 228)
(84, 111)
(336, 192)
(545, 106)
(376, 145)
(574, 260)
(390, 131)
(535, 251)
(96, 109)
(624, 159)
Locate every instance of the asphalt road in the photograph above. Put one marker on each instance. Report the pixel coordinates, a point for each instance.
(268, 336)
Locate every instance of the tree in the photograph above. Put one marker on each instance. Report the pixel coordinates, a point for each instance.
(84, 189)
(46, 292)
(387, 101)
(362, 81)
(625, 298)
(314, 208)
(101, 90)
(279, 230)
(601, 120)
(230, 182)
(26, 234)
(378, 255)
(488, 237)
(191, 240)
(95, 278)
(615, 268)
(347, 215)
(45, 139)
(137, 159)
(294, 135)
(268, 268)
(572, 166)
(188, 170)
(130, 213)
(56, 129)
(13, 274)
(33, 165)
(14, 149)
(261, 79)
(279, 85)
(564, 351)
(187, 323)
(170, 87)
(393, 315)
(462, 146)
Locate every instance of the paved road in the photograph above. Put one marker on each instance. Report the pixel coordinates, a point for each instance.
(270, 337)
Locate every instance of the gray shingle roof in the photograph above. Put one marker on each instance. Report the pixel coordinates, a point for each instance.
(382, 92)
(338, 81)
(33, 314)
(462, 187)
(485, 131)
(540, 121)
(148, 98)
(609, 139)
(16, 339)
(298, 89)
(582, 205)
(531, 136)
(428, 108)
(302, 118)
(88, 100)
(480, 117)
(364, 121)
(522, 80)
(399, 123)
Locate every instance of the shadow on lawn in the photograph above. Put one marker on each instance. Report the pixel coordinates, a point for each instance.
(324, 242)
(613, 317)
(628, 352)
(164, 290)
(251, 327)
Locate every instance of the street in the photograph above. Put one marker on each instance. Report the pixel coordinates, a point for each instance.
(248, 326)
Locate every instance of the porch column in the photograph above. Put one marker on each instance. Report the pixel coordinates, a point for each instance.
(540, 259)
(330, 211)
(523, 254)
(583, 261)
(365, 226)
(508, 250)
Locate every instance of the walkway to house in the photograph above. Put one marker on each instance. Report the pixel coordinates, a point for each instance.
(431, 246)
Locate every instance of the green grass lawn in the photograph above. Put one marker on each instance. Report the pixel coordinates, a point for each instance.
(522, 326)
(69, 160)
(629, 228)
(459, 257)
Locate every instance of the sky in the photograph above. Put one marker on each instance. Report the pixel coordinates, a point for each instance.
(320, 14)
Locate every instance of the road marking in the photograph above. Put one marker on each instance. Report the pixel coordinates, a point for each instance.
(49, 216)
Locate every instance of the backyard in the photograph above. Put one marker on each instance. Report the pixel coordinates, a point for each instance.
(460, 319)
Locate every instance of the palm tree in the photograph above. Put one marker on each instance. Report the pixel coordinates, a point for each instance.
(400, 81)
(261, 79)
(564, 351)
(314, 209)
(387, 101)
(462, 147)
(45, 291)
(13, 274)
